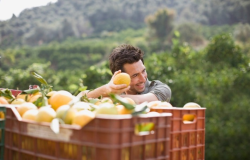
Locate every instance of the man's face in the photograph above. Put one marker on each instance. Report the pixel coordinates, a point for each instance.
(138, 75)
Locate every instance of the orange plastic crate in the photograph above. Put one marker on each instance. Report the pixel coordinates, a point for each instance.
(104, 138)
(187, 140)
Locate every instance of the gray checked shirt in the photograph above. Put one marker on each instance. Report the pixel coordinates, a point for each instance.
(159, 89)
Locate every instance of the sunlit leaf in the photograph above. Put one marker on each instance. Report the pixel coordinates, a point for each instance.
(39, 77)
(119, 99)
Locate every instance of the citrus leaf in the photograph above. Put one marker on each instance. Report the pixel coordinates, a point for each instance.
(41, 101)
(119, 99)
(139, 109)
(39, 77)
(93, 101)
(93, 107)
(30, 91)
(83, 88)
(80, 89)
(7, 94)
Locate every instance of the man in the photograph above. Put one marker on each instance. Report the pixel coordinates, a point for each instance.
(129, 59)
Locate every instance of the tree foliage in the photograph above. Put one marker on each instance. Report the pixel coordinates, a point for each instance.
(223, 49)
(161, 23)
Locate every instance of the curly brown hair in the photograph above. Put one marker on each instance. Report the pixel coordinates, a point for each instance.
(123, 54)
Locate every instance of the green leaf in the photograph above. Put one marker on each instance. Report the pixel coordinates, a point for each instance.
(93, 101)
(39, 77)
(119, 99)
(93, 107)
(80, 89)
(140, 109)
(41, 101)
(30, 91)
(83, 88)
(7, 94)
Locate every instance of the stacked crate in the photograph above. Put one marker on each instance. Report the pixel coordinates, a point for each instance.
(187, 138)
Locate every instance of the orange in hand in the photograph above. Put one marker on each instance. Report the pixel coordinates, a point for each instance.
(122, 78)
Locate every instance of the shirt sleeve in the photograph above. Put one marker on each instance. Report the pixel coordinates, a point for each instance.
(161, 91)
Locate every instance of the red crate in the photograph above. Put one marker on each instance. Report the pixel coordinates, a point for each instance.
(187, 139)
(104, 138)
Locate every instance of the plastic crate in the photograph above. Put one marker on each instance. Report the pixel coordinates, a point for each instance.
(2, 130)
(104, 138)
(187, 139)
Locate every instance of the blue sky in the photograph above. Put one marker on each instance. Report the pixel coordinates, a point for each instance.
(8, 7)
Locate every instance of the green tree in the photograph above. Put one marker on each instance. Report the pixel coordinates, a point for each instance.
(160, 24)
(222, 49)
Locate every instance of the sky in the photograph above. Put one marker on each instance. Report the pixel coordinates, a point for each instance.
(8, 7)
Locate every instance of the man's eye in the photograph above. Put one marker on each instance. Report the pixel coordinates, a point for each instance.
(134, 76)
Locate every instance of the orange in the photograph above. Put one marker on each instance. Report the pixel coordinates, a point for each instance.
(129, 100)
(188, 117)
(34, 98)
(25, 97)
(153, 104)
(3, 100)
(165, 104)
(30, 114)
(191, 105)
(122, 78)
(50, 94)
(81, 106)
(22, 108)
(106, 99)
(45, 114)
(106, 108)
(18, 101)
(2, 115)
(122, 110)
(66, 113)
(83, 117)
(60, 98)
(37, 93)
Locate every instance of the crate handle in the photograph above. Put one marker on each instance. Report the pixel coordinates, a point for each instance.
(189, 118)
(145, 128)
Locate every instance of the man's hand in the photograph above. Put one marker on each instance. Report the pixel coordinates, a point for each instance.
(106, 89)
(116, 89)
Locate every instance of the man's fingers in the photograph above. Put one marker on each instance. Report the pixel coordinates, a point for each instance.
(121, 90)
(118, 87)
(125, 89)
(117, 72)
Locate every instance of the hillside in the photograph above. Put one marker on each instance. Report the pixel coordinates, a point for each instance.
(78, 19)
